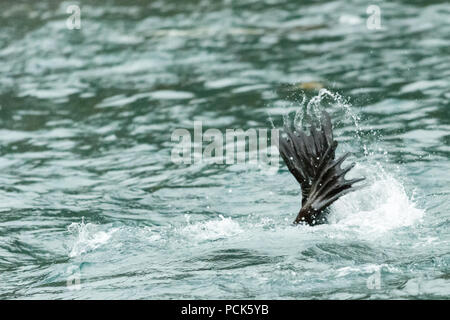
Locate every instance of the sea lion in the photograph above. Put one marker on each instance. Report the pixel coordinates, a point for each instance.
(311, 160)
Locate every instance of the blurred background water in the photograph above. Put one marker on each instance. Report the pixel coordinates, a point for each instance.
(86, 118)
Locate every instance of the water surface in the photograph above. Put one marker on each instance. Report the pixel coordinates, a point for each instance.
(88, 190)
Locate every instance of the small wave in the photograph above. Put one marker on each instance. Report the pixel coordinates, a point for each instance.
(212, 230)
(422, 286)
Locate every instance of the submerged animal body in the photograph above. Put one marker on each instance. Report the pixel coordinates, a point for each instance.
(311, 160)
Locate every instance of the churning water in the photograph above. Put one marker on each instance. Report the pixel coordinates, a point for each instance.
(91, 205)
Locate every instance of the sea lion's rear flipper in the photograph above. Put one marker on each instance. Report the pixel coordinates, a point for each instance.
(311, 159)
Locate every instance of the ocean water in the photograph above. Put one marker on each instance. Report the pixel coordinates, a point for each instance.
(93, 207)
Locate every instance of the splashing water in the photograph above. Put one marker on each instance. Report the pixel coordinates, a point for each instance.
(88, 237)
(382, 204)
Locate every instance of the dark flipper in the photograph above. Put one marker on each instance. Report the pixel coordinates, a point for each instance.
(311, 159)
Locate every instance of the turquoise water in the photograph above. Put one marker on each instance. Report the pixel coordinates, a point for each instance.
(92, 207)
